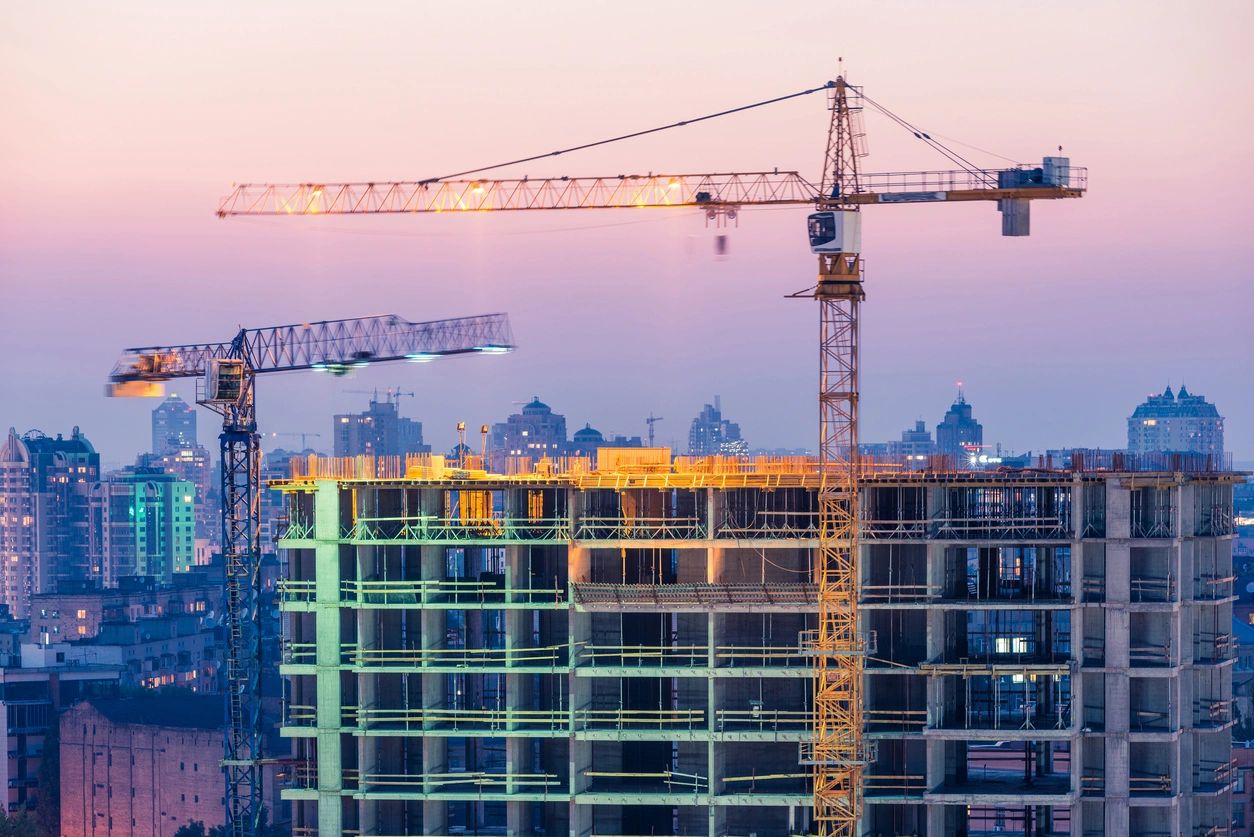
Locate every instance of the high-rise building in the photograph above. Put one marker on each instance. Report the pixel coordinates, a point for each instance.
(193, 464)
(143, 523)
(380, 431)
(1176, 422)
(173, 425)
(712, 435)
(531, 434)
(44, 525)
(959, 434)
(1048, 650)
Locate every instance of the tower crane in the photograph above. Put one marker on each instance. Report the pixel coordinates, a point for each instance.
(837, 751)
(227, 373)
(652, 420)
(304, 437)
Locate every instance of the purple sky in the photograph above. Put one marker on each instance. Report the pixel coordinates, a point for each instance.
(124, 127)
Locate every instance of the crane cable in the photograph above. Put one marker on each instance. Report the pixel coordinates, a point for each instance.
(940, 147)
(632, 135)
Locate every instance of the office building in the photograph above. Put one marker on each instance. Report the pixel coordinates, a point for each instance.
(1177, 422)
(712, 435)
(959, 434)
(173, 425)
(142, 522)
(44, 523)
(380, 431)
(614, 649)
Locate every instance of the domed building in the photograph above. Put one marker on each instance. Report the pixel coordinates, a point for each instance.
(535, 432)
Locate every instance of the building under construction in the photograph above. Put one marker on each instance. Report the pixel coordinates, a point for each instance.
(619, 648)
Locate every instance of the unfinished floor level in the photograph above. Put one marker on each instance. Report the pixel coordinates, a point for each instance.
(615, 651)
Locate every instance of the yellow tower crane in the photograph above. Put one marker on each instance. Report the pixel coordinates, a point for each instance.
(838, 751)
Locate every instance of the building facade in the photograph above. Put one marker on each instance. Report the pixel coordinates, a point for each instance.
(31, 696)
(44, 522)
(380, 431)
(1177, 422)
(142, 523)
(141, 766)
(193, 464)
(173, 425)
(615, 650)
(78, 612)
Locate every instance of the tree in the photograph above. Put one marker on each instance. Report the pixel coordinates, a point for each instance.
(18, 825)
(47, 818)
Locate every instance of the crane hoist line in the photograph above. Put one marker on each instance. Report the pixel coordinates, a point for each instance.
(226, 376)
(837, 752)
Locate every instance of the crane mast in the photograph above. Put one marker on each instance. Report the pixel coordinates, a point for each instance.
(229, 372)
(837, 752)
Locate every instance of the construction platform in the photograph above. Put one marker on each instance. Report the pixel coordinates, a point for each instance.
(617, 648)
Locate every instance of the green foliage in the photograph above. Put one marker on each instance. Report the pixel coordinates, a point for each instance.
(18, 825)
(48, 806)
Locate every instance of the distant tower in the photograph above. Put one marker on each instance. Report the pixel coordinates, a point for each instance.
(710, 434)
(173, 425)
(380, 431)
(1176, 422)
(958, 431)
(536, 432)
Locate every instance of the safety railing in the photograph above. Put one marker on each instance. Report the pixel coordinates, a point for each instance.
(762, 720)
(423, 593)
(747, 596)
(291, 590)
(894, 784)
(299, 715)
(1214, 649)
(1212, 713)
(298, 653)
(884, 593)
(1093, 588)
(1002, 528)
(1150, 589)
(435, 529)
(639, 528)
(1093, 785)
(766, 525)
(673, 781)
(891, 530)
(1213, 587)
(457, 783)
(416, 719)
(640, 656)
(811, 643)
(1149, 784)
(547, 656)
(293, 529)
(900, 720)
(636, 720)
(760, 656)
(768, 783)
(1152, 655)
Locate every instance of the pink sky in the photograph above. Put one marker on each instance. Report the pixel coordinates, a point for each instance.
(124, 125)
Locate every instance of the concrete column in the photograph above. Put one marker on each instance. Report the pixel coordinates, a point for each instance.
(327, 655)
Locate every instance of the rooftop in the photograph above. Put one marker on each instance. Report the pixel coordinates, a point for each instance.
(170, 708)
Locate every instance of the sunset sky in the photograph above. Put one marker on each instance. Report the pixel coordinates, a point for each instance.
(124, 125)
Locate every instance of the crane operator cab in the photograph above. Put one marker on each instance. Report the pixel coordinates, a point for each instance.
(835, 231)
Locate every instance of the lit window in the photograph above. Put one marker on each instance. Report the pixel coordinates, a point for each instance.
(82, 614)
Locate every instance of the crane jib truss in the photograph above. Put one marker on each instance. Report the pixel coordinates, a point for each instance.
(837, 751)
(334, 345)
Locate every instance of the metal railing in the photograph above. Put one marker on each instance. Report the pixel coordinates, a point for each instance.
(435, 529)
(615, 596)
(762, 720)
(417, 719)
(673, 780)
(640, 528)
(547, 656)
(638, 656)
(637, 720)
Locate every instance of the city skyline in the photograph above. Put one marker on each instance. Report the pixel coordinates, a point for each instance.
(941, 296)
